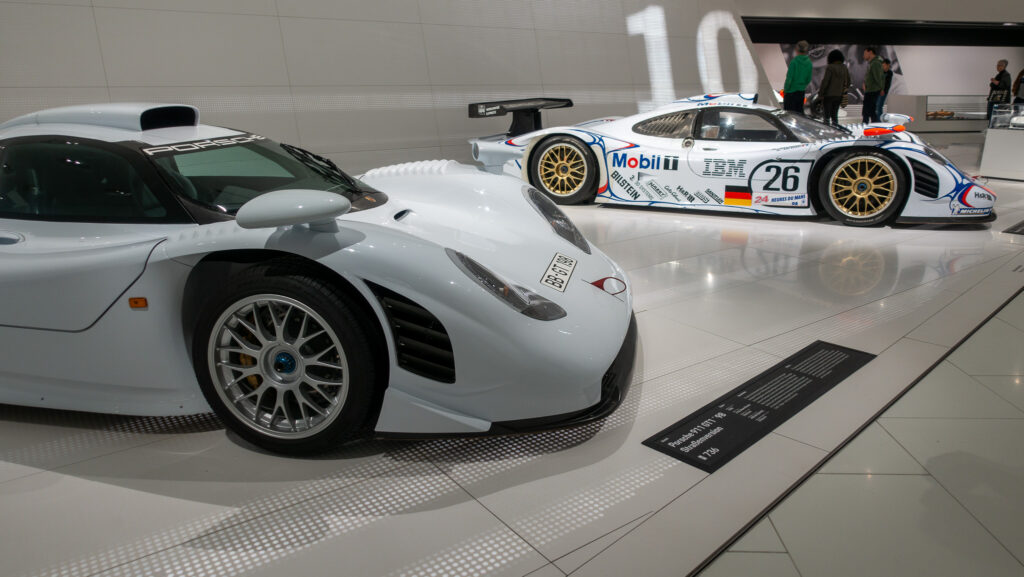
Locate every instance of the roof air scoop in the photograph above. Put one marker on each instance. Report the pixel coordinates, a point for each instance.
(168, 116)
(123, 115)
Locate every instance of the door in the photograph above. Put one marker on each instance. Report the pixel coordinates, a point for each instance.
(748, 161)
(77, 225)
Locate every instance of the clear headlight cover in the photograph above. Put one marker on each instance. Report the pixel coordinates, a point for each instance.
(935, 155)
(521, 299)
(560, 223)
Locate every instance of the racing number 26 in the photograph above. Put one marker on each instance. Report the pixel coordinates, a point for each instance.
(788, 175)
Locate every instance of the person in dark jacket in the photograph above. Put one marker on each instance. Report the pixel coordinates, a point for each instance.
(998, 87)
(834, 84)
(886, 85)
(797, 78)
(874, 81)
(1018, 88)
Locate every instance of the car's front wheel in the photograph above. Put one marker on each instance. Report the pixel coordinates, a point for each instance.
(285, 361)
(565, 169)
(862, 188)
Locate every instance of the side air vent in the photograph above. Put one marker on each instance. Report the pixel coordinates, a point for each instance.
(421, 341)
(168, 116)
(926, 182)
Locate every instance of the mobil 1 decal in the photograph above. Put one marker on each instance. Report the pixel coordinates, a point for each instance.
(644, 161)
(780, 183)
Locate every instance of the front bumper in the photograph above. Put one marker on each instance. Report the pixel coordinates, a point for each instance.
(614, 386)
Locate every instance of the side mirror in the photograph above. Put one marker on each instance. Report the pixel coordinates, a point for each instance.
(316, 208)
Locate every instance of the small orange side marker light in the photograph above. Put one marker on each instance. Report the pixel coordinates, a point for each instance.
(876, 131)
(138, 303)
(899, 128)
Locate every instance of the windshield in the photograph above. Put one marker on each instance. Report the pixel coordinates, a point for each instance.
(224, 174)
(808, 130)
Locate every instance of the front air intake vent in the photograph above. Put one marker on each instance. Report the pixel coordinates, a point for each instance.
(421, 341)
(926, 181)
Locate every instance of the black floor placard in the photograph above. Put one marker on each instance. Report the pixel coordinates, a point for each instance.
(1016, 229)
(712, 436)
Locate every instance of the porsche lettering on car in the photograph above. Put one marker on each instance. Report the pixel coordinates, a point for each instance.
(153, 265)
(727, 153)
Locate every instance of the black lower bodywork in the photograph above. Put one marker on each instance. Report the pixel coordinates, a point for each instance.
(947, 219)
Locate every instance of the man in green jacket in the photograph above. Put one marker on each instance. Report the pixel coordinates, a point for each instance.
(797, 78)
(873, 83)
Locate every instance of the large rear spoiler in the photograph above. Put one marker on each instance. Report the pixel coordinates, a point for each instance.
(525, 112)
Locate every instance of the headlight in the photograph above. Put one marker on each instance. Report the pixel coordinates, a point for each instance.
(561, 224)
(519, 298)
(934, 155)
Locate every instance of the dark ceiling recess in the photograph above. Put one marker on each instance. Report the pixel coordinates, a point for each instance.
(892, 32)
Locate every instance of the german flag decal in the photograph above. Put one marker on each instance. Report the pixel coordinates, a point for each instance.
(738, 196)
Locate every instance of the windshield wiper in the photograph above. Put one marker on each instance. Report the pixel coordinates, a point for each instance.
(325, 167)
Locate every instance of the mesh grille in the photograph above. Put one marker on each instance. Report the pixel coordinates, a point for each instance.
(926, 182)
(421, 341)
(675, 125)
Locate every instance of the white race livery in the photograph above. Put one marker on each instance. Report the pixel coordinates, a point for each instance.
(727, 153)
(152, 265)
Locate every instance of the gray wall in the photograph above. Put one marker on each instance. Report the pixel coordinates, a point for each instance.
(366, 82)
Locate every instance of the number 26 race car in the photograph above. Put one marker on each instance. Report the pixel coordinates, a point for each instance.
(727, 153)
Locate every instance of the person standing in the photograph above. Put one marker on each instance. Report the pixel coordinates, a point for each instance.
(797, 78)
(834, 84)
(1018, 88)
(998, 87)
(886, 86)
(874, 81)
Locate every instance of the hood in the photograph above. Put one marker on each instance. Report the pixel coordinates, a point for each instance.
(458, 206)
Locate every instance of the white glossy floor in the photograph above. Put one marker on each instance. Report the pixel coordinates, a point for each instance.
(934, 487)
(718, 300)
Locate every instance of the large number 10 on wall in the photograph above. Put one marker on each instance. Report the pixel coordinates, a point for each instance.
(650, 23)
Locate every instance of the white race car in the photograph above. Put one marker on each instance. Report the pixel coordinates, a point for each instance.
(727, 153)
(148, 258)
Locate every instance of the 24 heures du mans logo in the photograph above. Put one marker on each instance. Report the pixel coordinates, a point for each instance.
(645, 161)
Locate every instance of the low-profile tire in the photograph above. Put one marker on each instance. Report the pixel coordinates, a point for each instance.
(565, 169)
(862, 188)
(285, 361)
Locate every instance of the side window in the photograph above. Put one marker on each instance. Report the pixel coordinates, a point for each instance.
(738, 125)
(674, 125)
(71, 181)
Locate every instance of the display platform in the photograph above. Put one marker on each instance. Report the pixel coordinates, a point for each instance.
(941, 113)
(1004, 141)
(718, 301)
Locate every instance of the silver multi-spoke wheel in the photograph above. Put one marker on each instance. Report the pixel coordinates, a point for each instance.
(278, 366)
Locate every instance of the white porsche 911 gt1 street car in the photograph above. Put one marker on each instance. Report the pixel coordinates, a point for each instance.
(153, 265)
(727, 153)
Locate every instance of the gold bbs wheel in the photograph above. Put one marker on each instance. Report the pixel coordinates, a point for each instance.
(862, 187)
(563, 169)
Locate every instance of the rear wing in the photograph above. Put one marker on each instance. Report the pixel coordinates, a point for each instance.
(525, 112)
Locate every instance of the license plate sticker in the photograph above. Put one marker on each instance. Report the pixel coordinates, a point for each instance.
(559, 272)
